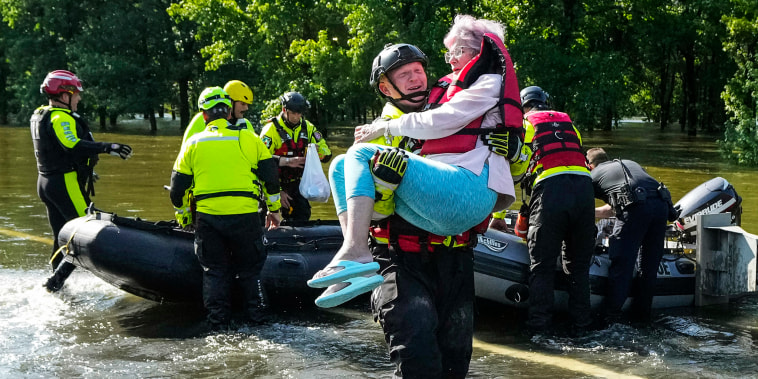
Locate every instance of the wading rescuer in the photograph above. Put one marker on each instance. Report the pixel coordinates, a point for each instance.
(66, 154)
(286, 137)
(425, 294)
(223, 166)
(561, 211)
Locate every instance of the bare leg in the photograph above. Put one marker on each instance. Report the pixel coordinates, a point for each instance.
(342, 217)
(355, 246)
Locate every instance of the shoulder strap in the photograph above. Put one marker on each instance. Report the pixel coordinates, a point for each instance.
(626, 172)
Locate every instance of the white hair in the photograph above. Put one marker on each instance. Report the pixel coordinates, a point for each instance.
(468, 31)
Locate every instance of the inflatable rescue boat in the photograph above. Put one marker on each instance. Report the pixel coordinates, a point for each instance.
(156, 260)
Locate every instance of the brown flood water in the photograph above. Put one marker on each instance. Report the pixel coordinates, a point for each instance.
(91, 329)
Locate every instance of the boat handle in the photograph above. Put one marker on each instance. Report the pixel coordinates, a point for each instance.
(290, 261)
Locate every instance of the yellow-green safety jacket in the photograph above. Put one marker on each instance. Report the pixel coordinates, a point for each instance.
(285, 142)
(223, 165)
(197, 125)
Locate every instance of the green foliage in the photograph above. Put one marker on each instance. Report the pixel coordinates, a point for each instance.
(601, 60)
(740, 141)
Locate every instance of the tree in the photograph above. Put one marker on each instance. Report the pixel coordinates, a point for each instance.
(740, 141)
(126, 51)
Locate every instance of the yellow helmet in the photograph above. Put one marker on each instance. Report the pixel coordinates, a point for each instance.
(239, 91)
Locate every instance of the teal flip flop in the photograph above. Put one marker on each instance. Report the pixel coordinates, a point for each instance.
(355, 287)
(349, 270)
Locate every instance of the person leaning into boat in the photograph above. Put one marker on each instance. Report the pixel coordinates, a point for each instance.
(66, 154)
(425, 303)
(222, 166)
(287, 136)
(641, 206)
(242, 97)
(561, 211)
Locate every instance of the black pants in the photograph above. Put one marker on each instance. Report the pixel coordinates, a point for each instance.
(562, 211)
(425, 307)
(638, 238)
(300, 207)
(65, 200)
(230, 246)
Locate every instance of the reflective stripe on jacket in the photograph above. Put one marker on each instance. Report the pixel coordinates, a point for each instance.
(223, 162)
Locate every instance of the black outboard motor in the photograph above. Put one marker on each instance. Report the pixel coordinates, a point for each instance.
(713, 196)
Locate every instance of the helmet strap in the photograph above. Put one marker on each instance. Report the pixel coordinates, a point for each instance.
(411, 97)
(286, 119)
(59, 99)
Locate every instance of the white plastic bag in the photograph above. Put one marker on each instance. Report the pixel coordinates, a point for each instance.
(314, 186)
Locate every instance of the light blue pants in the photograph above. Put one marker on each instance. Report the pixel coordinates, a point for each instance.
(440, 198)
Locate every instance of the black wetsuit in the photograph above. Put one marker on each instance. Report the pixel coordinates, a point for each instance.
(66, 155)
(426, 309)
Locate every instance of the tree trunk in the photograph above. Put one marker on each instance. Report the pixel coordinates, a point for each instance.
(606, 121)
(3, 93)
(113, 118)
(103, 115)
(153, 122)
(664, 99)
(690, 92)
(184, 113)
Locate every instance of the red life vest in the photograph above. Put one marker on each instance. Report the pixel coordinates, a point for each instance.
(493, 58)
(402, 235)
(555, 140)
(290, 148)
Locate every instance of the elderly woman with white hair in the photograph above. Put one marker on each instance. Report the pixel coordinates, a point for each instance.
(453, 185)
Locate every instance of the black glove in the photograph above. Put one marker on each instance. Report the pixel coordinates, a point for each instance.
(388, 167)
(505, 143)
(119, 150)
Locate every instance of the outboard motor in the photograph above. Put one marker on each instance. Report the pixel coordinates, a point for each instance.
(713, 196)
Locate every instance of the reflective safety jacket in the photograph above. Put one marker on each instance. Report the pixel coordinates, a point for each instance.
(556, 143)
(285, 142)
(63, 143)
(390, 112)
(222, 166)
(197, 125)
(493, 58)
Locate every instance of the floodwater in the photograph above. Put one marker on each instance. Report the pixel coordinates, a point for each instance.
(91, 329)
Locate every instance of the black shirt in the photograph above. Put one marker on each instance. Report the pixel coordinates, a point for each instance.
(608, 177)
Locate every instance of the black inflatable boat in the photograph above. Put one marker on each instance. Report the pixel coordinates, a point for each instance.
(156, 260)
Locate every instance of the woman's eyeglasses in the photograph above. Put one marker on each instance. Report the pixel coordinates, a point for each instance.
(454, 53)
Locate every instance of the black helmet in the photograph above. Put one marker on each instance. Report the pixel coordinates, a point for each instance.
(533, 94)
(295, 102)
(394, 56)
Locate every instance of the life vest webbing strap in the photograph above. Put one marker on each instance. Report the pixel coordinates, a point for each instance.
(226, 193)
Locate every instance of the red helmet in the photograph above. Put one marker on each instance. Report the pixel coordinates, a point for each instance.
(59, 81)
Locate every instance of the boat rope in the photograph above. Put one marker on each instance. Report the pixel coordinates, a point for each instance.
(65, 248)
(551, 360)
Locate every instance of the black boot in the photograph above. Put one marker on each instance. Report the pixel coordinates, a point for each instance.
(55, 282)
